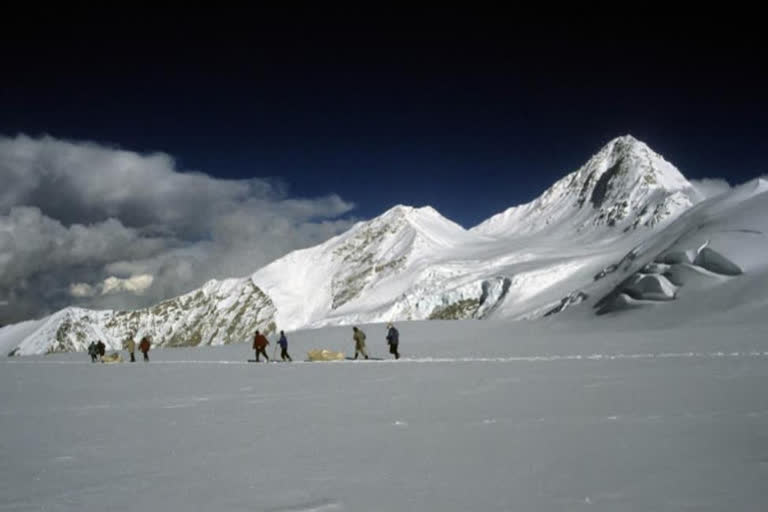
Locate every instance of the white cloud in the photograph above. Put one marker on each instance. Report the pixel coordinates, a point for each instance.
(32, 243)
(135, 284)
(75, 214)
(112, 285)
(81, 290)
(711, 187)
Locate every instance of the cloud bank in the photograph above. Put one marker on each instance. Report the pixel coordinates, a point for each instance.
(97, 226)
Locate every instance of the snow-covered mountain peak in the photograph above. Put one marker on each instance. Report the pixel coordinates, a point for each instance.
(345, 267)
(402, 211)
(421, 217)
(633, 160)
(420, 225)
(624, 186)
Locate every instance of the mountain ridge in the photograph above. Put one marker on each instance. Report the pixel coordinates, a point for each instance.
(415, 264)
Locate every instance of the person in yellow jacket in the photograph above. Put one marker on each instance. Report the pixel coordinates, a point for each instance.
(130, 346)
(359, 337)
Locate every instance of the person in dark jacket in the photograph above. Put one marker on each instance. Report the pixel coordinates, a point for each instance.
(92, 351)
(144, 346)
(101, 349)
(283, 342)
(260, 343)
(393, 339)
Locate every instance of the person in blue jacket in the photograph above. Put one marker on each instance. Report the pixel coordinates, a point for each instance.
(393, 339)
(283, 342)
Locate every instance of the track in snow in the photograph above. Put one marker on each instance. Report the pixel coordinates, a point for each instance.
(438, 360)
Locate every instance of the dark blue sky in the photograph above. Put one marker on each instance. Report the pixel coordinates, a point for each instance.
(470, 114)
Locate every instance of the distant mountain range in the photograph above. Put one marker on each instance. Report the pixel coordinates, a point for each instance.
(606, 237)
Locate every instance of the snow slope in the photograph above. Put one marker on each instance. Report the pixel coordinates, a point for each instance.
(708, 262)
(563, 414)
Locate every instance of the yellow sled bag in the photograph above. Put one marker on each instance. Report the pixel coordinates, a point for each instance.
(325, 355)
(113, 358)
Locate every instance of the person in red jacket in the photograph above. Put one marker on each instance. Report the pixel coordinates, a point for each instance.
(144, 347)
(260, 343)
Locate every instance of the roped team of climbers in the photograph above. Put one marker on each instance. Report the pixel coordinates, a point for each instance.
(260, 343)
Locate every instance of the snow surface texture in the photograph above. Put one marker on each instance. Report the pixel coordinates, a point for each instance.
(414, 264)
(555, 415)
